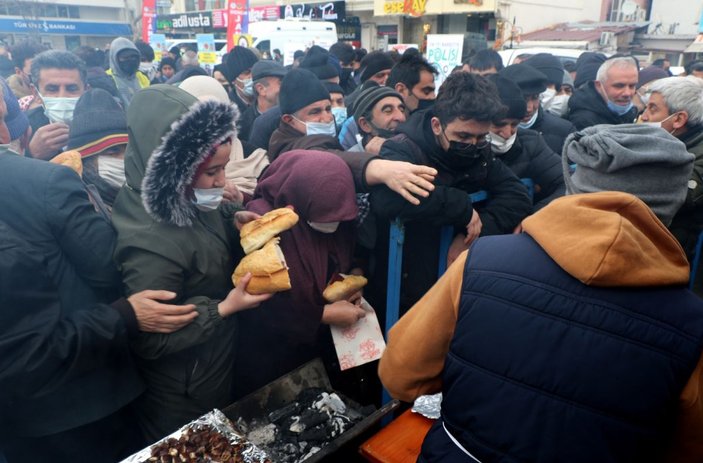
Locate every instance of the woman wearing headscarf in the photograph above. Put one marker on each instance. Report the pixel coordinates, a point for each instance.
(172, 235)
(124, 69)
(291, 329)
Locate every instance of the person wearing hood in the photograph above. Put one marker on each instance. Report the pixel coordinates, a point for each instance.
(575, 340)
(99, 133)
(236, 69)
(524, 151)
(608, 99)
(292, 327)
(453, 137)
(246, 163)
(60, 79)
(166, 70)
(171, 235)
(675, 104)
(534, 84)
(124, 69)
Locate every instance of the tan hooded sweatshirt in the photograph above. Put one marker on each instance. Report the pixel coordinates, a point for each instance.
(606, 239)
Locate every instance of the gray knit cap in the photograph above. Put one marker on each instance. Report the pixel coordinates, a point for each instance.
(633, 158)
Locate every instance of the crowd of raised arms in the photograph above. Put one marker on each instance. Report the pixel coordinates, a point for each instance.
(562, 330)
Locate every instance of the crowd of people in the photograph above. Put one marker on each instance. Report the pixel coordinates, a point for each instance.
(562, 329)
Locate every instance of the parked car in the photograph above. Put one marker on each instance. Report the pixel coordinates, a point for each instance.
(564, 54)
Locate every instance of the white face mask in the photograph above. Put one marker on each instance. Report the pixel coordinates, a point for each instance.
(531, 122)
(500, 145)
(208, 199)
(59, 109)
(248, 86)
(329, 227)
(656, 124)
(319, 128)
(111, 169)
(546, 97)
(560, 105)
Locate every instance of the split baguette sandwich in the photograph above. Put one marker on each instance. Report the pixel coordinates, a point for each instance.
(341, 290)
(268, 269)
(259, 232)
(70, 159)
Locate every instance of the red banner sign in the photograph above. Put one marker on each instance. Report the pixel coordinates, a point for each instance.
(237, 20)
(148, 19)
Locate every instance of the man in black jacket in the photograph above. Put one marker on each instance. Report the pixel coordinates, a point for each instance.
(533, 84)
(524, 151)
(66, 374)
(608, 99)
(453, 138)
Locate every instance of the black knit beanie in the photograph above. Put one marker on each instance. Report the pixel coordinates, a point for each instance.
(529, 79)
(374, 62)
(510, 95)
(299, 88)
(238, 60)
(587, 67)
(550, 66)
(369, 97)
(99, 122)
(317, 61)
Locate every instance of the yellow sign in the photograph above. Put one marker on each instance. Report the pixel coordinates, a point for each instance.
(243, 40)
(421, 7)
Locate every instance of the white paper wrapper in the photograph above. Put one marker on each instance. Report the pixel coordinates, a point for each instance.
(360, 343)
(429, 406)
(217, 420)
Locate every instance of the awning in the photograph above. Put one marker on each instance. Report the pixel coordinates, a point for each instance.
(696, 46)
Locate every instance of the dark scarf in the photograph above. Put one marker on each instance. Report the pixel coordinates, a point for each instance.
(320, 187)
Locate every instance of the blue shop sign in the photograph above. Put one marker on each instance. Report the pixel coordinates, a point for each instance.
(20, 25)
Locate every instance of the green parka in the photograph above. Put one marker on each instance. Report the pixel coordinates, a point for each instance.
(164, 242)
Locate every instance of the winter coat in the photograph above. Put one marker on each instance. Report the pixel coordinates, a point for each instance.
(286, 138)
(61, 366)
(246, 122)
(574, 341)
(165, 242)
(447, 204)
(263, 127)
(688, 222)
(553, 129)
(530, 157)
(587, 108)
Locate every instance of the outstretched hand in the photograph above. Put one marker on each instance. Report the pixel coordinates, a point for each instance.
(156, 317)
(239, 299)
(407, 179)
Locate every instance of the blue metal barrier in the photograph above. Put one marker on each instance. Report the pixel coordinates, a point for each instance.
(395, 261)
(696, 260)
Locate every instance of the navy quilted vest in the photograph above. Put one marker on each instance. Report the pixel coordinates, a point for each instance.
(545, 369)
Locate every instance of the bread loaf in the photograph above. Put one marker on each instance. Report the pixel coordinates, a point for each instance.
(70, 159)
(341, 290)
(268, 269)
(257, 233)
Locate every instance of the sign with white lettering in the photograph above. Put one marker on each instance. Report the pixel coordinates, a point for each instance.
(193, 20)
(65, 27)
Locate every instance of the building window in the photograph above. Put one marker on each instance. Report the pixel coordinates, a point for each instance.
(73, 12)
(63, 11)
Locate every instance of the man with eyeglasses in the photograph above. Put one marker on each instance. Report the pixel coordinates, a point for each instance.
(452, 137)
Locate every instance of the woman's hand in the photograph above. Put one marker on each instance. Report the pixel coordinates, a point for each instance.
(239, 299)
(244, 217)
(342, 314)
(232, 193)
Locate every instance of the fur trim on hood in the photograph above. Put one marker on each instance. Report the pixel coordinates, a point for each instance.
(166, 188)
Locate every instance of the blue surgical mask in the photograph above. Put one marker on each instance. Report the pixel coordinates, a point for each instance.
(319, 128)
(208, 199)
(248, 89)
(340, 115)
(531, 122)
(619, 110)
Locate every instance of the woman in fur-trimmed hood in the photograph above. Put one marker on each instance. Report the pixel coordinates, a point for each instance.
(172, 236)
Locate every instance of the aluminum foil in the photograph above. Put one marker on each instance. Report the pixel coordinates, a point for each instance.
(429, 406)
(218, 421)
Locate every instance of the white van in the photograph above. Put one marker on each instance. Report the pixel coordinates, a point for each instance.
(289, 35)
(564, 54)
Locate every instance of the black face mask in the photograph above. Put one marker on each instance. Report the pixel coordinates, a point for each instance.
(129, 66)
(383, 133)
(424, 104)
(461, 156)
